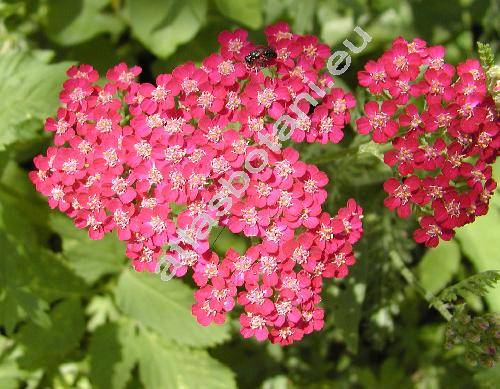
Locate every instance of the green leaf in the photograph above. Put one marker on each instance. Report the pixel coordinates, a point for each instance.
(22, 219)
(29, 273)
(100, 310)
(48, 347)
(167, 366)
(372, 148)
(90, 259)
(16, 300)
(221, 240)
(17, 304)
(163, 25)
(10, 314)
(26, 261)
(347, 304)
(247, 12)
(51, 278)
(11, 375)
(76, 21)
(29, 90)
(439, 265)
(112, 355)
(166, 308)
(479, 241)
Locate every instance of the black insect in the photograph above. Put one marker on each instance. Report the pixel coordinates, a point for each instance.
(260, 57)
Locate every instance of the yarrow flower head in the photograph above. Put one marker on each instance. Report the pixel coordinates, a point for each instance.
(147, 159)
(441, 152)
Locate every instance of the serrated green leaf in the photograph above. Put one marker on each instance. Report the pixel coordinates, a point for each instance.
(90, 259)
(17, 304)
(76, 21)
(16, 299)
(30, 275)
(26, 261)
(439, 265)
(166, 308)
(47, 347)
(163, 25)
(100, 310)
(164, 365)
(112, 355)
(247, 12)
(29, 90)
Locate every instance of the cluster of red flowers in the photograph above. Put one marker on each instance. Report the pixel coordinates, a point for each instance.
(126, 151)
(444, 131)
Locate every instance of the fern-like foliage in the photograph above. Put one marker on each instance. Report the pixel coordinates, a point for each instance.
(486, 55)
(477, 284)
(487, 58)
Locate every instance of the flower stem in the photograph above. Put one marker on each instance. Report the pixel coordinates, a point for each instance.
(412, 281)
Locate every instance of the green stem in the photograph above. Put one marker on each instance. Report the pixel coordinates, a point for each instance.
(412, 281)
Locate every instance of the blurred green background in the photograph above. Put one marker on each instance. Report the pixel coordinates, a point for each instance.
(73, 314)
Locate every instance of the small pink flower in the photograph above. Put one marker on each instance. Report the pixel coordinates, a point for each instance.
(401, 194)
(122, 76)
(374, 77)
(430, 232)
(379, 120)
(248, 219)
(400, 62)
(62, 127)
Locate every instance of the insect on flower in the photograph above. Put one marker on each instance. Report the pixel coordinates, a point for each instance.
(260, 57)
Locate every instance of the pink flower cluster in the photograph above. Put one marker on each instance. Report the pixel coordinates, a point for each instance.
(126, 152)
(444, 131)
